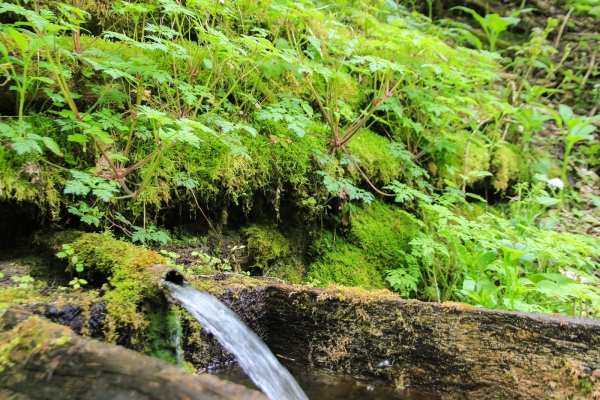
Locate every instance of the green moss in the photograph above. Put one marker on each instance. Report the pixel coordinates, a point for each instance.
(164, 334)
(13, 296)
(470, 211)
(377, 241)
(508, 165)
(291, 272)
(28, 339)
(383, 231)
(128, 267)
(479, 158)
(266, 245)
(375, 158)
(346, 265)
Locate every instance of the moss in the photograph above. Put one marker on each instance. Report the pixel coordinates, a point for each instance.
(508, 165)
(291, 272)
(479, 158)
(383, 231)
(266, 245)
(470, 211)
(164, 336)
(355, 295)
(375, 158)
(346, 265)
(377, 241)
(13, 296)
(26, 339)
(128, 267)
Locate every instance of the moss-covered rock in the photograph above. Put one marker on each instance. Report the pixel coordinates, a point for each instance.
(127, 266)
(508, 165)
(375, 158)
(478, 159)
(346, 264)
(266, 245)
(377, 241)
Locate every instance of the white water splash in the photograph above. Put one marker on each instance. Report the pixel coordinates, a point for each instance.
(253, 355)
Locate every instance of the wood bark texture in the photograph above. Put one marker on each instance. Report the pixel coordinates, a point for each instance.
(43, 360)
(447, 348)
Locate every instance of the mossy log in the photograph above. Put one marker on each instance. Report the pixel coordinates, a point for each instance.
(43, 360)
(447, 348)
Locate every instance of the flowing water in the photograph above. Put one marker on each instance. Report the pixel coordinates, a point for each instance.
(252, 354)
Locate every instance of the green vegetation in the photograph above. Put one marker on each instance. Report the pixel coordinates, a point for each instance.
(358, 143)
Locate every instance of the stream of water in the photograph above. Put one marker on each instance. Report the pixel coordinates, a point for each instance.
(252, 354)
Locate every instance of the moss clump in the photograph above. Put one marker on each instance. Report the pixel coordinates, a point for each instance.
(291, 272)
(375, 158)
(508, 166)
(377, 241)
(266, 245)
(470, 211)
(26, 339)
(479, 158)
(346, 265)
(128, 267)
(165, 337)
(383, 232)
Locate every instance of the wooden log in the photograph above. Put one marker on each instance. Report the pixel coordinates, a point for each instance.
(43, 360)
(447, 348)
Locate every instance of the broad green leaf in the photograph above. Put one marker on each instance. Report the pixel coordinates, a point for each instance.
(565, 112)
(52, 146)
(547, 201)
(78, 138)
(44, 79)
(486, 259)
(3, 50)
(19, 39)
(513, 254)
(581, 131)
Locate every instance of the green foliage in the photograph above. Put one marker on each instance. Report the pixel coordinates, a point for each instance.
(578, 129)
(150, 234)
(23, 281)
(493, 24)
(309, 114)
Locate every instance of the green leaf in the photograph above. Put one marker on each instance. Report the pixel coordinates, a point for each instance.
(565, 112)
(3, 51)
(581, 131)
(19, 39)
(44, 79)
(78, 138)
(52, 146)
(77, 187)
(486, 259)
(547, 201)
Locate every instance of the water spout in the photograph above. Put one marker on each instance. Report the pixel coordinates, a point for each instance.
(253, 355)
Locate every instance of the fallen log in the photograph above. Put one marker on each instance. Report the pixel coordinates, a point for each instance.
(43, 360)
(446, 348)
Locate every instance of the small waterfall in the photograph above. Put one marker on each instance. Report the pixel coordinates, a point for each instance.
(253, 355)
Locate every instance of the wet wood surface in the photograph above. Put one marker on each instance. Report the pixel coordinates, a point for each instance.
(43, 360)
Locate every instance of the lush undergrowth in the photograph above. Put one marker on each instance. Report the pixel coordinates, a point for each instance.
(356, 143)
